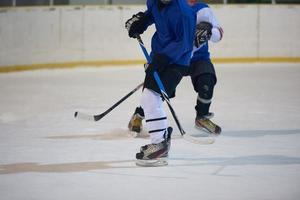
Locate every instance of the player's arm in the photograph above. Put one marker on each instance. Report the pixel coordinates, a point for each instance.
(138, 23)
(207, 28)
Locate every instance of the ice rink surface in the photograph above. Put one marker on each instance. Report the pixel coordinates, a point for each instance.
(46, 154)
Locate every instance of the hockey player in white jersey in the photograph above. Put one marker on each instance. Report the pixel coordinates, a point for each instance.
(202, 73)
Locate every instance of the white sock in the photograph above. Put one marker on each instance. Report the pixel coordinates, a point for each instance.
(156, 118)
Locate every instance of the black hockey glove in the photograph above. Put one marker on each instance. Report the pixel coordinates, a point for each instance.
(159, 62)
(203, 33)
(136, 25)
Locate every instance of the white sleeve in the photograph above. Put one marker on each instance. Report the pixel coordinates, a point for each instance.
(207, 15)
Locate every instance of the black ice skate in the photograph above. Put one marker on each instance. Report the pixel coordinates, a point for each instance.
(153, 155)
(135, 123)
(204, 123)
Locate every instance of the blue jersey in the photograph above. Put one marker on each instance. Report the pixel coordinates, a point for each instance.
(175, 30)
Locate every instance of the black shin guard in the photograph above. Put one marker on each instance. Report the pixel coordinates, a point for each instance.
(204, 86)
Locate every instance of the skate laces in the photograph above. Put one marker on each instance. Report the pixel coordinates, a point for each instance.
(165, 143)
(151, 148)
(206, 123)
(210, 123)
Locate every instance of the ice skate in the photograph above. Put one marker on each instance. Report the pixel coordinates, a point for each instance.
(204, 123)
(135, 124)
(154, 155)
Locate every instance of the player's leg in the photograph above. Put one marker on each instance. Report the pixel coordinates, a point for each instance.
(204, 80)
(156, 152)
(155, 116)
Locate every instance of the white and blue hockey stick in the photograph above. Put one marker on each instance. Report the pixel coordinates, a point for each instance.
(165, 96)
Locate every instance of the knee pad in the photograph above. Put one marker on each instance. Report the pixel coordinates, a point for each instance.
(204, 86)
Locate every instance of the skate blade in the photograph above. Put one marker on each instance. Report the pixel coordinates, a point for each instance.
(206, 132)
(152, 163)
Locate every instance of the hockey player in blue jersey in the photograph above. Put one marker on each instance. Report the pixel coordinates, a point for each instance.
(202, 74)
(171, 49)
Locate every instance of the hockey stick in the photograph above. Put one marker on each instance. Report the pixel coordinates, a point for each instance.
(84, 116)
(166, 98)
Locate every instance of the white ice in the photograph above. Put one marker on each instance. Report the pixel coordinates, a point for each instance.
(46, 154)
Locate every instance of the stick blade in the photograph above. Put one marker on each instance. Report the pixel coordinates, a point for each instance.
(83, 116)
(199, 140)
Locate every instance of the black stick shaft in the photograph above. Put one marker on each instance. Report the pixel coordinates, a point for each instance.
(100, 116)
